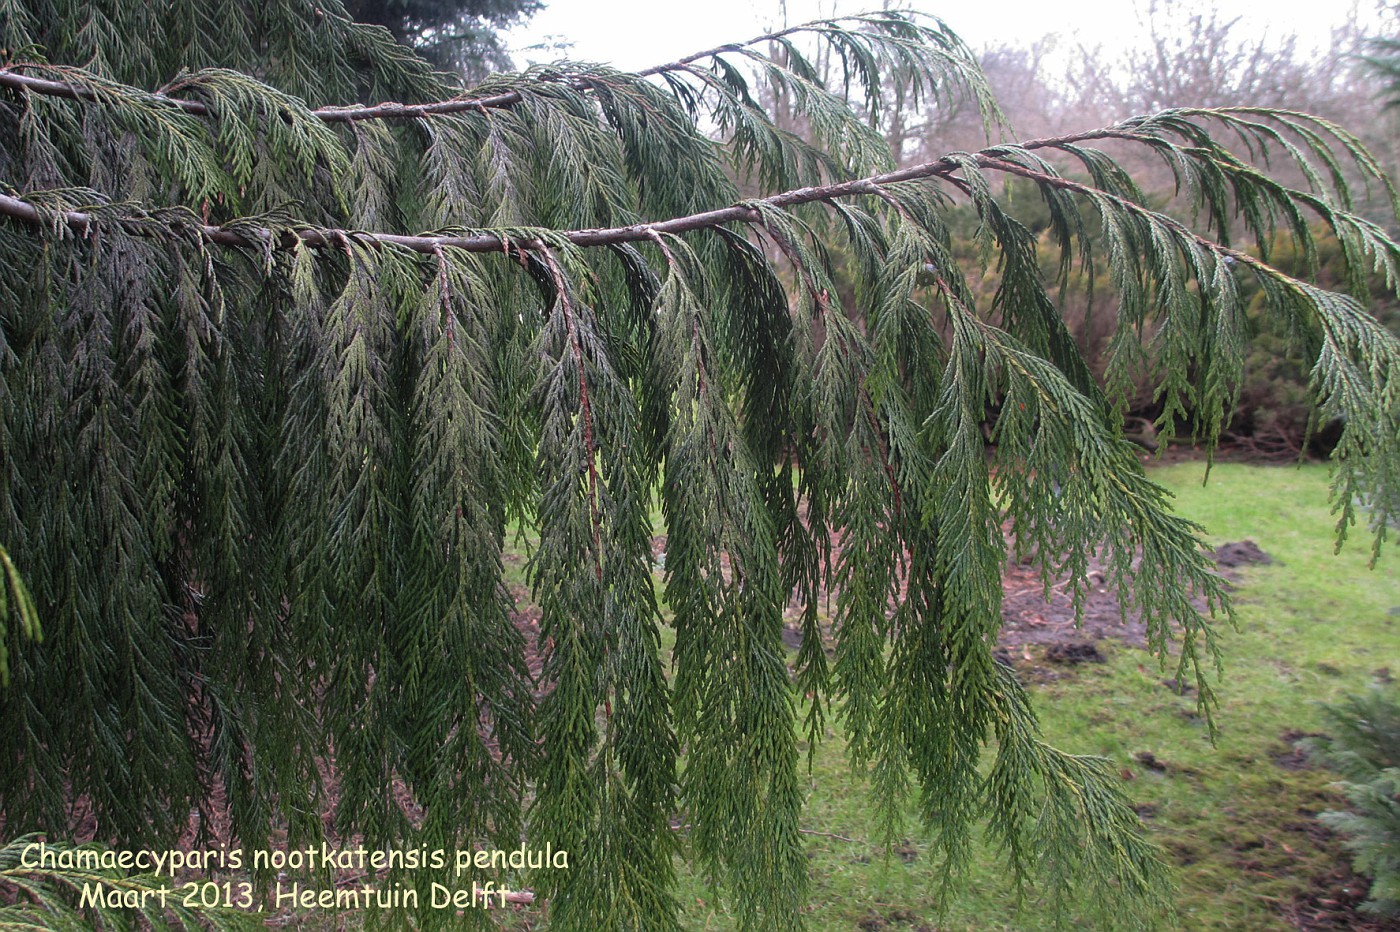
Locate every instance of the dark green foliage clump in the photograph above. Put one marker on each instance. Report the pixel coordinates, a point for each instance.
(1275, 414)
(264, 439)
(1364, 745)
(457, 35)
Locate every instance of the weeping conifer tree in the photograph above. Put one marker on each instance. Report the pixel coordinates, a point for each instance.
(264, 439)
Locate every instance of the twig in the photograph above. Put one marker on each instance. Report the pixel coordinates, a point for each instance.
(808, 831)
(80, 221)
(389, 110)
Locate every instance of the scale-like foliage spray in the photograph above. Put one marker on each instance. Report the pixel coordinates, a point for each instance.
(264, 440)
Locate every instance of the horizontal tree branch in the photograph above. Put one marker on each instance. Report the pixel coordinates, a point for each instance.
(486, 241)
(1011, 168)
(13, 77)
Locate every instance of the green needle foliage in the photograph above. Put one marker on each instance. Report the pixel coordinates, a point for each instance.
(1365, 749)
(264, 440)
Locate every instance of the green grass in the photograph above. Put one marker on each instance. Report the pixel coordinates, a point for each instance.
(1237, 826)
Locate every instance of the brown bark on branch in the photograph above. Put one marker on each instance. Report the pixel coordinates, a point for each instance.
(389, 110)
(744, 212)
(80, 221)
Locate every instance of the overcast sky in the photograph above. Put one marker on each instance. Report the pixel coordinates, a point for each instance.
(634, 34)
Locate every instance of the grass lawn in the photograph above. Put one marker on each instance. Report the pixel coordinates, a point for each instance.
(1235, 819)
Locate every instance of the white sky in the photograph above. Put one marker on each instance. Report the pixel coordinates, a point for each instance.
(634, 34)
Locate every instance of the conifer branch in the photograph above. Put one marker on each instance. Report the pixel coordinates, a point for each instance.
(993, 158)
(13, 76)
(80, 221)
(1254, 263)
(590, 447)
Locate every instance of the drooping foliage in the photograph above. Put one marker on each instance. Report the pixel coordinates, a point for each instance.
(264, 440)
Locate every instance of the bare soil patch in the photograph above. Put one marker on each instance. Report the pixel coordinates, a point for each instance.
(1033, 615)
(1041, 624)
